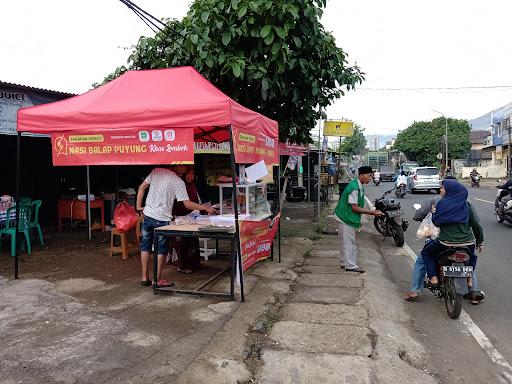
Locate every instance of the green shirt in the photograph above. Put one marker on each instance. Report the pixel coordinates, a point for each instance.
(462, 233)
(344, 211)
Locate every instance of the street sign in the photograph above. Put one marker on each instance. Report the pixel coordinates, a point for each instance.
(338, 128)
(439, 156)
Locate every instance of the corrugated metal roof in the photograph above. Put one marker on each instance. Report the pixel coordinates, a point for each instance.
(7, 84)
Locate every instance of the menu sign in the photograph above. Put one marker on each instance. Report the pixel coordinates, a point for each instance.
(251, 147)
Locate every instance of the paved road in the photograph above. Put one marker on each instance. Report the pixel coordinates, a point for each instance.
(445, 338)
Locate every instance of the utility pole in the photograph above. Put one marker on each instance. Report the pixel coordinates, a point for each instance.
(445, 135)
(509, 165)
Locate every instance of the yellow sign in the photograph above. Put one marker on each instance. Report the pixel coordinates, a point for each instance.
(247, 138)
(338, 128)
(86, 138)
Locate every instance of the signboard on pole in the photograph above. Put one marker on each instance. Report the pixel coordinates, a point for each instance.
(145, 146)
(339, 128)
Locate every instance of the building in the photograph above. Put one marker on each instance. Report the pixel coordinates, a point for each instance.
(493, 160)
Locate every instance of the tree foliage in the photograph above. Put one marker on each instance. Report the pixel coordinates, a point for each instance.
(353, 145)
(422, 141)
(272, 56)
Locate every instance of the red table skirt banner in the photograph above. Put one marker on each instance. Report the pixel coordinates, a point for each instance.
(256, 239)
(133, 146)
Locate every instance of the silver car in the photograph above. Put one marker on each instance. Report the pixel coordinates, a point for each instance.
(424, 179)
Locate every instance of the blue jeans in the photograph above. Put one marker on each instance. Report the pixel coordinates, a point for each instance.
(148, 233)
(418, 276)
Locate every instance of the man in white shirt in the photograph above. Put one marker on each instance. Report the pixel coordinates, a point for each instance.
(164, 187)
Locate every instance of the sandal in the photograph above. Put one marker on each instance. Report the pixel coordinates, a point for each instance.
(145, 283)
(411, 298)
(164, 283)
(185, 270)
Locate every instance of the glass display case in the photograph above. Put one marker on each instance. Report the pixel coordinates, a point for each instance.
(252, 200)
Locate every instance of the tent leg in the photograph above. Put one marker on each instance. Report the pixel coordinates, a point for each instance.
(235, 209)
(88, 203)
(18, 185)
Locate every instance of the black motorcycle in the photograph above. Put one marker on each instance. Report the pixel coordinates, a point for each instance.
(392, 223)
(506, 213)
(475, 181)
(400, 191)
(453, 271)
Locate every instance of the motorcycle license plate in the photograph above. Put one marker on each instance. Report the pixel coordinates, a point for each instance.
(458, 271)
(394, 213)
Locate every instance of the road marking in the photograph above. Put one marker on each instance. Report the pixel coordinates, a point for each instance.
(485, 201)
(482, 340)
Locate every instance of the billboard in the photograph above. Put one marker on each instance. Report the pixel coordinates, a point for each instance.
(338, 128)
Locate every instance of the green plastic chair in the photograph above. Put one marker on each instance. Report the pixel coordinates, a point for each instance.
(34, 220)
(25, 200)
(10, 227)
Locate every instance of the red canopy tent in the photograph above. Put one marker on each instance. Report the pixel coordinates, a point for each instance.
(162, 109)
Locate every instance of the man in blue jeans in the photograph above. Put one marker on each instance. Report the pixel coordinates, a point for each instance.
(164, 187)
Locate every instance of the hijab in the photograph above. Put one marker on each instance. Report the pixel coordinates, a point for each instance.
(453, 207)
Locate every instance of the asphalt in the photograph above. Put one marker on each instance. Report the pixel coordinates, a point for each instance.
(445, 339)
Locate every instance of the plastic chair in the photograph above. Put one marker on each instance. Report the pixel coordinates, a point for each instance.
(25, 200)
(34, 220)
(10, 227)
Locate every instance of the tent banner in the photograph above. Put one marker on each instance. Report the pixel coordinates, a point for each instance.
(256, 239)
(251, 147)
(127, 146)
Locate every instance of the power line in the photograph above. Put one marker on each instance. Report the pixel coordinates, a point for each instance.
(498, 87)
(148, 19)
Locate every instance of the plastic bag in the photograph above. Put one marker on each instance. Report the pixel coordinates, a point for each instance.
(427, 228)
(125, 217)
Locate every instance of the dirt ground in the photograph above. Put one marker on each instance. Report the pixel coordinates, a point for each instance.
(78, 315)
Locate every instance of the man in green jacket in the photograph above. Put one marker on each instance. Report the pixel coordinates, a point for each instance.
(348, 214)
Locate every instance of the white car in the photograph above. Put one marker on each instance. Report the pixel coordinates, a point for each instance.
(424, 179)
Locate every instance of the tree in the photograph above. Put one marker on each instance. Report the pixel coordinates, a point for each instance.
(422, 141)
(353, 145)
(272, 56)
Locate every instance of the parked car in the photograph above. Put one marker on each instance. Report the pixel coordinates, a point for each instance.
(386, 172)
(424, 179)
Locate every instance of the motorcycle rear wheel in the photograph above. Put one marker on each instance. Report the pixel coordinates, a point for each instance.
(452, 299)
(499, 218)
(398, 235)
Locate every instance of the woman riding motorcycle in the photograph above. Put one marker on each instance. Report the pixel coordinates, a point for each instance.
(459, 227)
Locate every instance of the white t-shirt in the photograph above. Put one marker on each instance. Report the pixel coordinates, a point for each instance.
(402, 179)
(164, 187)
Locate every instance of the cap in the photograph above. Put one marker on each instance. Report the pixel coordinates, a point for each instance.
(364, 170)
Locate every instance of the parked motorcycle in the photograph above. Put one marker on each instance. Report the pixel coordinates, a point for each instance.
(392, 223)
(400, 191)
(506, 214)
(453, 271)
(475, 181)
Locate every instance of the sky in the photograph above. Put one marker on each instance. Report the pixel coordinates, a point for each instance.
(400, 44)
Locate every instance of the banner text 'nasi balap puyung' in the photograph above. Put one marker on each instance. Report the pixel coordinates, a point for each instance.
(118, 147)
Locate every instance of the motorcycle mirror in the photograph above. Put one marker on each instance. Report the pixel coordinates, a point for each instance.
(499, 180)
(416, 206)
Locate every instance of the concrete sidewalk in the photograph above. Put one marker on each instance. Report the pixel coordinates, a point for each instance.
(343, 327)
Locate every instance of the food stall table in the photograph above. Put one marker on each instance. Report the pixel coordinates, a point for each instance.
(74, 209)
(192, 230)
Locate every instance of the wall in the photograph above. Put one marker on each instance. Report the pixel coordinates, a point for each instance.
(491, 171)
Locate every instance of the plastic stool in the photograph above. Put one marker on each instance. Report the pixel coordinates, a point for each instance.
(124, 245)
